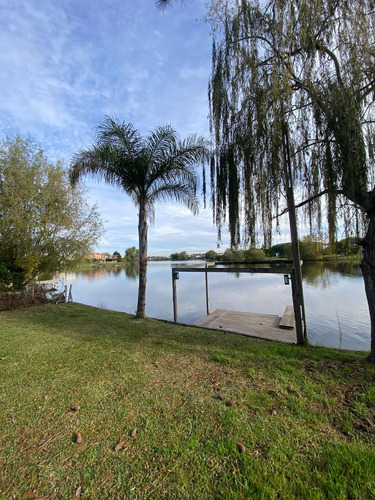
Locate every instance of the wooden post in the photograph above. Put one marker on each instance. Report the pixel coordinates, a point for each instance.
(297, 289)
(207, 292)
(70, 297)
(174, 289)
(66, 293)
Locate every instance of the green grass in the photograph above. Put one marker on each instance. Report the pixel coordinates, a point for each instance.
(306, 416)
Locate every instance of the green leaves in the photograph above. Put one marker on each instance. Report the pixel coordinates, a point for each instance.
(44, 224)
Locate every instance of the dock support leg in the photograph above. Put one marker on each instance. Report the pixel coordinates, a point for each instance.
(174, 289)
(207, 293)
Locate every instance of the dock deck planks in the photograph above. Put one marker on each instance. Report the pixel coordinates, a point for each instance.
(264, 326)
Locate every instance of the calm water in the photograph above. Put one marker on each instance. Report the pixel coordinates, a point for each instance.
(335, 302)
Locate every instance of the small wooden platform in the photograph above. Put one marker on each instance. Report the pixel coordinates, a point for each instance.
(288, 321)
(264, 326)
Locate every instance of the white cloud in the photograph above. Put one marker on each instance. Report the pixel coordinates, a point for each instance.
(67, 64)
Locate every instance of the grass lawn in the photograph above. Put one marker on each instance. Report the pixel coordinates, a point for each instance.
(213, 415)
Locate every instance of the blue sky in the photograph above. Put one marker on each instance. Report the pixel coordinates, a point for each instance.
(68, 63)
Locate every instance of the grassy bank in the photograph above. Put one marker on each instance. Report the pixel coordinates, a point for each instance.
(216, 415)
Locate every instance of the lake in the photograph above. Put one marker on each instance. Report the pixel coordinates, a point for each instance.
(335, 302)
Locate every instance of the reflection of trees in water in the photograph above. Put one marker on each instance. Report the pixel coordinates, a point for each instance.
(325, 274)
(94, 273)
(347, 268)
(132, 271)
(244, 266)
(116, 271)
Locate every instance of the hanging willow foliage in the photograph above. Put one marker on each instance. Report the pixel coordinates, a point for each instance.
(310, 63)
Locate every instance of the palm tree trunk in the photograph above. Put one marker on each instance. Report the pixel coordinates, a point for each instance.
(142, 235)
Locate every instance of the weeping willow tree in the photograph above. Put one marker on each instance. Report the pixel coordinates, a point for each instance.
(310, 64)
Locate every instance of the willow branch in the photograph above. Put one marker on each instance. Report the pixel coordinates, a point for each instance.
(310, 144)
(324, 49)
(309, 200)
(281, 55)
(367, 89)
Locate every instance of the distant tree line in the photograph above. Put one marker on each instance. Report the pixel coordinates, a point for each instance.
(312, 247)
(180, 256)
(234, 254)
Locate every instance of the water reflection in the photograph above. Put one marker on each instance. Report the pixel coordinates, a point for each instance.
(131, 271)
(318, 274)
(324, 274)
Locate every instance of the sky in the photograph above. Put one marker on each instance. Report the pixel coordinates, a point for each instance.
(67, 64)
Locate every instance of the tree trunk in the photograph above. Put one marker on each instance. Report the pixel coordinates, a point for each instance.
(368, 271)
(142, 235)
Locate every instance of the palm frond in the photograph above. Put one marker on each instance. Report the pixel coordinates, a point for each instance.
(184, 193)
(161, 140)
(120, 135)
(98, 161)
(164, 4)
(177, 160)
(109, 164)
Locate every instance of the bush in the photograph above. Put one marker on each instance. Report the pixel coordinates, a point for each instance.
(32, 296)
(254, 254)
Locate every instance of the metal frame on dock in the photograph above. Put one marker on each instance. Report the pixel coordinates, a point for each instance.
(288, 272)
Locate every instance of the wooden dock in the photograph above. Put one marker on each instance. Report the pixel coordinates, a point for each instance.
(263, 326)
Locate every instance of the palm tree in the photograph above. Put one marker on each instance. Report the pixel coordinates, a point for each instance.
(155, 168)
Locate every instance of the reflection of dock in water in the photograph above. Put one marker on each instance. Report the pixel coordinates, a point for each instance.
(264, 326)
